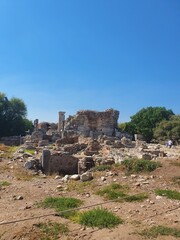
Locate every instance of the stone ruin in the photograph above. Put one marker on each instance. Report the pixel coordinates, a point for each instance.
(66, 136)
(85, 123)
(92, 124)
(80, 142)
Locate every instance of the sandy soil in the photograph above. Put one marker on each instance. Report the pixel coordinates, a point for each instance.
(136, 215)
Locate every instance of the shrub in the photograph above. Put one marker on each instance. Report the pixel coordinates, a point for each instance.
(100, 218)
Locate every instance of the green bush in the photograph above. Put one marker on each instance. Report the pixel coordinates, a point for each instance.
(62, 204)
(139, 165)
(100, 218)
(168, 193)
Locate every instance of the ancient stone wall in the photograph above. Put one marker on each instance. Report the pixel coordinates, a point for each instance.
(93, 123)
(12, 140)
(59, 163)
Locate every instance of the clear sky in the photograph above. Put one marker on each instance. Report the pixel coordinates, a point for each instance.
(70, 55)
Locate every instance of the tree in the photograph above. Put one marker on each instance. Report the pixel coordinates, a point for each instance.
(145, 121)
(13, 117)
(168, 130)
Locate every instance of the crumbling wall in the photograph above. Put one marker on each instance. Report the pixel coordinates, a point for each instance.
(93, 123)
(60, 163)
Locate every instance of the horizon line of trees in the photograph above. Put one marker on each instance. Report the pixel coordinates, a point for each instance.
(155, 124)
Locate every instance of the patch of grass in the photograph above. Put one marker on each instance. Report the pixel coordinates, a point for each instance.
(80, 187)
(113, 191)
(176, 180)
(7, 150)
(119, 192)
(155, 231)
(175, 163)
(140, 165)
(136, 197)
(22, 174)
(30, 151)
(103, 168)
(4, 184)
(172, 194)
(99, 217)
(51, 230)
(62, 204)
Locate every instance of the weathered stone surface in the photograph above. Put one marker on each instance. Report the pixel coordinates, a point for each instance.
(75, 177)
(85, 164)
(93, 123)
(74, 148)
(118, 144)
(67, 140)
(61, 163)
(11, 141)
(127, 142)
(43, 143)
(86, 176)
(37, 136)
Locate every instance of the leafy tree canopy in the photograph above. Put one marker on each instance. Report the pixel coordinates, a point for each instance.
(145, 121)
(13, 116)
(168, 130)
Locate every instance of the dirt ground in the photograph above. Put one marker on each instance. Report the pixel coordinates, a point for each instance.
(18, 202)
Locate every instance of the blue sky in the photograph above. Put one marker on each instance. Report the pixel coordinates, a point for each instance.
(69, 55)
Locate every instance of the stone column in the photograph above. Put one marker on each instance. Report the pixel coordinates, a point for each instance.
(46, 155)
(61, 121)
(36, 124)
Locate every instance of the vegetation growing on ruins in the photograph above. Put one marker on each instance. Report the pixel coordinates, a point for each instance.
(99, 217)
(103, 168)
(139, 165)
(148, 123)
(13, 119)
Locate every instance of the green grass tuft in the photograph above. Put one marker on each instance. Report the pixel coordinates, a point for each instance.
(140, 165)
(62, 204)
(136, 197)
(103, 168)
(116, 191)
(155, 231)
(30, 151)
(100, 218)
(4, 184)
(168, 193)
(51, 230)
